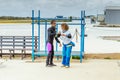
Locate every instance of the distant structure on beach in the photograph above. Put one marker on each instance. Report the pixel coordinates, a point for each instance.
(59, 17)
(112, 15)
(100, 17)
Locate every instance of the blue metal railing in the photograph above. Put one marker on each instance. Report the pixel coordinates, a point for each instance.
(82, 30)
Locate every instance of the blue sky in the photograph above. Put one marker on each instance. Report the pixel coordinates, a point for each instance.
(51, 8)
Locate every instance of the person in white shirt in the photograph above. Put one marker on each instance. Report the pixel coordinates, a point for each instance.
(66, 38)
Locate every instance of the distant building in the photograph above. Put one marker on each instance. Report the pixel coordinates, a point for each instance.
(100, 17)
(59, 17)
(112, 15)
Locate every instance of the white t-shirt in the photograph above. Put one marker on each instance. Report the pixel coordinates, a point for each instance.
(65, 39)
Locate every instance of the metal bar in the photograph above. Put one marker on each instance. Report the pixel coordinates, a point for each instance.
(45, 34)
(56, 42)
(81, 45)
(83, 31)
(42, 23)
(39, 30)
(32, 35)
(82, 34)
(56, 19)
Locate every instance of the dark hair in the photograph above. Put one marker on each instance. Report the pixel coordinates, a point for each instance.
(53, 21)
(65, 26)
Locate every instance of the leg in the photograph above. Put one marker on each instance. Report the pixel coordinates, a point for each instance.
(52, 55)
(48, 59)
(64, 55)
(49, 49)
(68, 55)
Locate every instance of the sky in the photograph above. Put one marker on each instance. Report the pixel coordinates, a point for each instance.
(52, 8)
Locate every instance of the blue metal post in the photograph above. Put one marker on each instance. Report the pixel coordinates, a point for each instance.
(45, 34)
(32, 35)
(56, 42)
(39, 30)
(82, 36)
(83, 31)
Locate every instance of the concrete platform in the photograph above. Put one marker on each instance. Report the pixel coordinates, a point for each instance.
(88, 70)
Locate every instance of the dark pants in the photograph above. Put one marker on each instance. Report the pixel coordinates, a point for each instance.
(50, 56)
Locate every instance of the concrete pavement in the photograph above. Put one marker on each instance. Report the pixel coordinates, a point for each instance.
(89, 70)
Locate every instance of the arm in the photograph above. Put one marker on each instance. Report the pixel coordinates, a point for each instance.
(56, 37)
(69, 36)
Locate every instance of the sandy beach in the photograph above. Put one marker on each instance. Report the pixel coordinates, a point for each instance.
(89, 69)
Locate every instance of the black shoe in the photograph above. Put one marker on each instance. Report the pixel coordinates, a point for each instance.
(48, 65)
(53, 65)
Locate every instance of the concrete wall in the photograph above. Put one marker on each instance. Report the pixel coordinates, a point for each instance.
(112, 16)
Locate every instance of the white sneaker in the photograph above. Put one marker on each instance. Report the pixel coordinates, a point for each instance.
(63, 66)
(67, 66)
(1, 63)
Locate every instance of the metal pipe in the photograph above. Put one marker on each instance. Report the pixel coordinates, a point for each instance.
(39, 30)
(56, 42)
(32, 35)
(82, 35)
(45, 35)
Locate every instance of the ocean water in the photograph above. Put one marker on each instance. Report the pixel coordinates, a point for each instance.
(93, 42)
